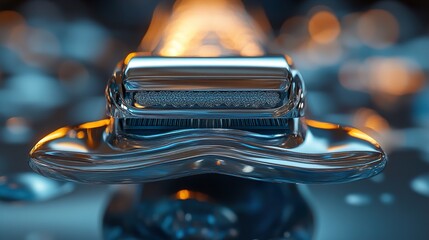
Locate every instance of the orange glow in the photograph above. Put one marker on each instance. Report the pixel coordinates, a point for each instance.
(185, 194)
(96, 124)
(16, 122)
(324, 27)
(10, 17)
(376, 123)
(289, 60)
(262, 19)
(204, 28)
(220, 162)
(323, 125)
(138, 105)
(394, 76)
(378, 28)
(129, 57)
(389, 76)
(209, 51)
(152, 36)
(8, 21)
(80, 134)
(52, 136)
(368, 118)
(361, 135)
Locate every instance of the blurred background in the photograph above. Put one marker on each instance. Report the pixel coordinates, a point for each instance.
(365, 63)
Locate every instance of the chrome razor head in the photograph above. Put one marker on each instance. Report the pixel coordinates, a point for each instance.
(152, 92)
(175, 117)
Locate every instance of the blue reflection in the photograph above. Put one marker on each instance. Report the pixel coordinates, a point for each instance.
(31, 187)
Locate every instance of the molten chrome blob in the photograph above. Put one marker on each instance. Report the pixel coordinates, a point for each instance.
(326, 153)
(175, 117)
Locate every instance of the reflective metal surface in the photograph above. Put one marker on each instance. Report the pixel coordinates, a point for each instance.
(150, 137)
(189, 87)
(326, 153)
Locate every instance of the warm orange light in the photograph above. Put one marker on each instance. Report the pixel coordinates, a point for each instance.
(95, 124)
(220, 162)
(369, 118)
(378, 28)
(138, 105)
(15, 122)
(323, 125)
(185, 194)
(152, 36)
(289, 60)
(379, 75)
(209, 51)
(52, 136)
(394, 76)
(204, 28)
(80, 134)
(323, 27)
(361, 135)
(8, 21)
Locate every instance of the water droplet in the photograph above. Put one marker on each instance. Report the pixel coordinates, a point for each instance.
(420, 184)
(358, 199)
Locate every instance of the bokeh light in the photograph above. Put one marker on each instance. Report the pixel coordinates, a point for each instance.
(324, 27)
(378, 28)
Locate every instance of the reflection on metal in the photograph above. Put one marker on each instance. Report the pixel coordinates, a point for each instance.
(308, 158)
(185, 194)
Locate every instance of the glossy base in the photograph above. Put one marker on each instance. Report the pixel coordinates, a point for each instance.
(321, 153)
